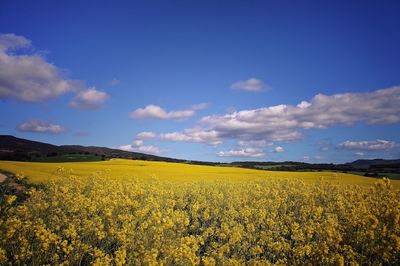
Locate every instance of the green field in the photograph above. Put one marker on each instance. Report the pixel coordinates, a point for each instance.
(68, 158)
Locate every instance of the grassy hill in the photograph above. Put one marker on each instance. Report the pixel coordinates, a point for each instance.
(17, 149)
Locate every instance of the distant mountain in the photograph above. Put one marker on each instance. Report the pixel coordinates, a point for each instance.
(375, 163)
(13, 148)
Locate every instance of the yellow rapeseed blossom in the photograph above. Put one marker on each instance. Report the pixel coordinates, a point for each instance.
(101, 219)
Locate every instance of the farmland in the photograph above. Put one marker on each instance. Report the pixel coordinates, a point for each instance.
(124, 212)
(179, 172)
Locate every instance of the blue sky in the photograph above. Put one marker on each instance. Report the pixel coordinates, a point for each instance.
(314, 81)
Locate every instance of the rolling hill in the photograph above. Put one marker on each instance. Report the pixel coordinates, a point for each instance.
(17, 149)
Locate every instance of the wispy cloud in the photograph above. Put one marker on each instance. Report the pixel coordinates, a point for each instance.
(368, 145)
(39, 126)
(243, 153)
(28, 77)
(157, 112)
(252, 85)
(114, 82)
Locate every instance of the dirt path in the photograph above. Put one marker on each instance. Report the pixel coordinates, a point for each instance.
(2, 177)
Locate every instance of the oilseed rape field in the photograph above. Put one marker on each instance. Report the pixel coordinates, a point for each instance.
(123, 212)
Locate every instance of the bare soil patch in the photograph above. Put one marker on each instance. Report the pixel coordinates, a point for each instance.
(2, 177)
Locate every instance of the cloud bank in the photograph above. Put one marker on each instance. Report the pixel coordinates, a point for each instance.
(373, 145)
(283, 122)
(286, 122)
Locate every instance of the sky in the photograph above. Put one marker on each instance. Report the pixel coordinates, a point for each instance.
(312, 81)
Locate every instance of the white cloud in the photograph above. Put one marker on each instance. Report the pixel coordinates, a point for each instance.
(138, 144)
(244, 153)
(40, 127)
(28, 77)
(198, 135)
(373, 145)
(11, 41)
(359, 153)
(145, 135)
(150, 149)
(155, 111)
(251, 84)
(318, 157)
(90, 99)
(128, 147)
(279, 149)
(306, 158)
(255, 143)
(284, 122)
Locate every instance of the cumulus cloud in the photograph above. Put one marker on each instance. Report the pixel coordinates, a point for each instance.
(373, 145)
(28, 77)
(279, 149)
(197, 135)
(157, 112)
(145, 135)
(90, 99)
(143, 149)
(243, 153)
(284, 122)
(138, 144)
(255, 143)
(11, 41)
(251, 84)
(40, 127)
